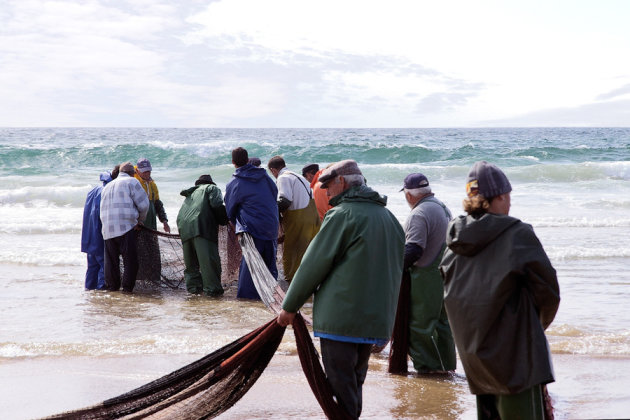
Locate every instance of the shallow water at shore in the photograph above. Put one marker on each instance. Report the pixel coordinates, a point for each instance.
(64, 349)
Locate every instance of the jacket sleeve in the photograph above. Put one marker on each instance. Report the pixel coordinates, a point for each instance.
(542, 281)
(215, 199)
(231, 203)
(140, 199)
(328, 246)
(159, 209)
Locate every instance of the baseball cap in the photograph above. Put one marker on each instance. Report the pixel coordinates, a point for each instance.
(487, 179)
(143, 165)
(415, 180)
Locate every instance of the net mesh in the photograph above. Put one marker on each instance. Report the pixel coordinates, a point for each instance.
(161, 258)
(211, 385)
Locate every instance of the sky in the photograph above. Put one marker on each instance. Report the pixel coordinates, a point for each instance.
(298, 63)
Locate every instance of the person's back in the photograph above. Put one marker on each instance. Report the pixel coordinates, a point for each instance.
(250, 200)
(299, 218)
(200, 213)
(353, 269)
(123, 204)
(198, 219)
(430, 342)
(357, 222)
(501, 293)
(92, 242)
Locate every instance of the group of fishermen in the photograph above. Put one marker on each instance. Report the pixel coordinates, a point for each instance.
(480, 282)
(127, 197)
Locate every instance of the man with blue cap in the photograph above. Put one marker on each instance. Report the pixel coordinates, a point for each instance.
(431, 344)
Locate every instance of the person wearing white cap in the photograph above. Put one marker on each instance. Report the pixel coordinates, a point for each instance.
(501, 293)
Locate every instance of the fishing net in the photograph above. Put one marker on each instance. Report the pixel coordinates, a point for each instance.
(211, 385)
(201, 390)
(400, 336)
(161, 258)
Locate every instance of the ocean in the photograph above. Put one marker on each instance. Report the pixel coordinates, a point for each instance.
(62, 347)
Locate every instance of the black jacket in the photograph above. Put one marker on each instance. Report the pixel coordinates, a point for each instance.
(501, 293)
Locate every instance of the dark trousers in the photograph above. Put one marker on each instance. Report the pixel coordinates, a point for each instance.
(267, 250)
(124, 245)
(346, 366)
(95, 274)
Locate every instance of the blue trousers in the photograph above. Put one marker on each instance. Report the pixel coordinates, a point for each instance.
(267, 250)
(95, 274)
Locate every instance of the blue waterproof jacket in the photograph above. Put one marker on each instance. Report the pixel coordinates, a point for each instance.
(250, 201)
(91, 236)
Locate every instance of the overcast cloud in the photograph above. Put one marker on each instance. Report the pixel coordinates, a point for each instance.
(292, 63)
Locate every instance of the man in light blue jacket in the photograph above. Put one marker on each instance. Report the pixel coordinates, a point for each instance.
(124, 204)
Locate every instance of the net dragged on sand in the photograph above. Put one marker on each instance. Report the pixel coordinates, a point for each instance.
(211, 385)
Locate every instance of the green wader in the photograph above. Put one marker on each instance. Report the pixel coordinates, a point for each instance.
(300, 227)
(526, 405)
(431, 344)
(201, 254)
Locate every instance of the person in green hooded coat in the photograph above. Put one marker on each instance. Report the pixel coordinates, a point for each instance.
(198, 222)
(501, 293)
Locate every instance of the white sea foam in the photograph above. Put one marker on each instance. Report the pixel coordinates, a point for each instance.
(123, 346)
(50, 256)
(576, 252)
(616, 344)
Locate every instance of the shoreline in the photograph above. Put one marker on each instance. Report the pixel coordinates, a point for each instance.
(585, 387)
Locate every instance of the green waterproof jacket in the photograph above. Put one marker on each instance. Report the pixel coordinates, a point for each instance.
(501, 293)
(201, 213)
(353, 267)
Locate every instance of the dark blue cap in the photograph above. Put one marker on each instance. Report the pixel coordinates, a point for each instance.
(413, 181)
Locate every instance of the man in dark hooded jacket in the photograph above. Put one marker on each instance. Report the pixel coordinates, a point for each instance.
(197, 221)
(250, 201)
(501, 293)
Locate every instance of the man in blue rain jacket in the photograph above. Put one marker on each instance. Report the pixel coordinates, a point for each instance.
(250, 201)
(92, 242)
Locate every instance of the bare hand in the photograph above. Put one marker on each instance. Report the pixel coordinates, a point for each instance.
(167, 228)
(285, 318)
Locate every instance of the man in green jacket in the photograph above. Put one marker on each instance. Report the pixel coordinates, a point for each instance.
(501, 293)
(198, 219)
(353, 268)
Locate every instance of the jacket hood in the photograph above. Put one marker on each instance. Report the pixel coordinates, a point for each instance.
(250, 173)
(360, 193)
(188, 191)
(105, 177)
(468, 235)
